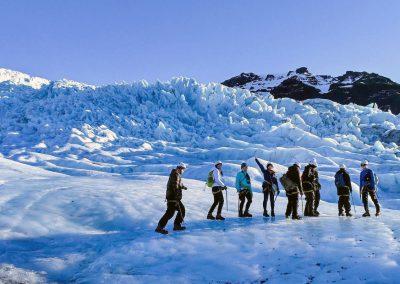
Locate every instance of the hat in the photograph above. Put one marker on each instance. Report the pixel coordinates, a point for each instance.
(269, 164)
(243, 165)
(182, 165)
(314, 163)
(342, 166)
(364, 163)
(218, 162)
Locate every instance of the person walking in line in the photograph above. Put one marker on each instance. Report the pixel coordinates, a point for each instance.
(270, 187)
(215, 176)
(292, 183)
(309, 188)
(174, 203)
(243, 187)
(344, 189)
(368, 186)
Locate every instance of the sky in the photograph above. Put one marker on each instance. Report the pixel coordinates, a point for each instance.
(101, 42)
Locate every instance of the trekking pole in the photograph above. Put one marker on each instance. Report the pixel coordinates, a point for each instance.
(227, 202)
(302, 208)
(352, 200)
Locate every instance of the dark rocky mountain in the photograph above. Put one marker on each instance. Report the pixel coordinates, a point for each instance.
(361, 88)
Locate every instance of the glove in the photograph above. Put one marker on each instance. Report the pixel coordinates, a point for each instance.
(184, 187)
(225, 188)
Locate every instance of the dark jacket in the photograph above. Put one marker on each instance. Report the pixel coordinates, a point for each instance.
(174, 186)
(269, 178)
(309, 178)
(294, 175)
(347, 188)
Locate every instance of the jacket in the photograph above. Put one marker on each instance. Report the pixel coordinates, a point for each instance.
(269, 177)
(367, 179)
(243, 181)
(309, 178)
(217, 178)
(294, 175)
(346, 178)
(174, 186)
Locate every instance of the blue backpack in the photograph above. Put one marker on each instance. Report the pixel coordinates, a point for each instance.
(339, 180)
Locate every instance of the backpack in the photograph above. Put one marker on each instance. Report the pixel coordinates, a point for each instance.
(288, 185)
(210, 179)
(339, 180)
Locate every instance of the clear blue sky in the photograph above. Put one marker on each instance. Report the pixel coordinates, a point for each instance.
(102, 42)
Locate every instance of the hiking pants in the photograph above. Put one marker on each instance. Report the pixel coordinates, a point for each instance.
(293, 203)
(372, 194)
(173, 206)
(317, 198)
(218, 200)
(309, 209)
(268, 193)
(242, 197)
(344, 202)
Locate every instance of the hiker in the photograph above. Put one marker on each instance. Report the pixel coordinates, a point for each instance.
(317, 187)
(215, 180)
(269, 186)
(291, 181)
(344, 189)
(174, 203)
(368, 186)
(243, 187)
(309, 188)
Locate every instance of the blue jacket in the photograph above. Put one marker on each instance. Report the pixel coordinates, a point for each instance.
(367, 177)
(268, 176)
(243, 181)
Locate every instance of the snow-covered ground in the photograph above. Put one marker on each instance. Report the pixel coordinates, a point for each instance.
(84, 168)
(100, 229)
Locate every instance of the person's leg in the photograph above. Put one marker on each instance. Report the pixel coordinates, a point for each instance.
(272, 201)
(181, 214)
(308, 210)
(168, 214)
(249, 197)
(213, 205)
(340, 204)
(265, 200)
(220, 198)
(289, 206)
(295, 213)
(242, 199)
(317, 198)
(365, 201)
(346, 204)
(374, 198)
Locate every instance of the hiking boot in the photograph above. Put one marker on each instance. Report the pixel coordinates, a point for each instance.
(179, 228)
(296, 217)
(366, 214)
(378, 213)
(316, 213)
(287, 216)
(241, 214)
(272, 214)
(341, 214)
(210, 217)
(348, 214)
(219, 217)
(265, 214)
(247, 214)
(161, 231)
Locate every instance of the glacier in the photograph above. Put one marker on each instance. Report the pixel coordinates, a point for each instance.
(83, 177)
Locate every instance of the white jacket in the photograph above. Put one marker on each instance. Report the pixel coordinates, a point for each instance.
(217, 178)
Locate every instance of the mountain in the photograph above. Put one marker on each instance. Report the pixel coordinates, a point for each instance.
(83, 171)
(361, 88)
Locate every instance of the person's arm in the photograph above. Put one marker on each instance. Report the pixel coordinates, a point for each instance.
(237, 183)
(300, 181)
(261, 166)
(372, 178)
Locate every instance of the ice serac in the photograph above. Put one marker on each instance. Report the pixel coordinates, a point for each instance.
(361, 88)
(75, 128)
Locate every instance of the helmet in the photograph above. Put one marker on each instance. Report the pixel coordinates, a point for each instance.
(217, 163)
(313, 162)
(364, 163)
(243, 165)
(342, 166)
(182, 165)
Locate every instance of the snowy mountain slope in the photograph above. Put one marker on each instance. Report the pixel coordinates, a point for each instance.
(352, 87)
(17, 78)
(100, 230)
(81, 130)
